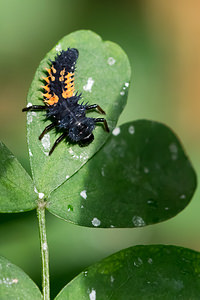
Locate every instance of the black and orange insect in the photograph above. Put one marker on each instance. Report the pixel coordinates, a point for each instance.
(62, 104)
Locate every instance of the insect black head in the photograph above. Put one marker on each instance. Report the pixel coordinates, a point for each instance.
(69, 57)
(73, 52)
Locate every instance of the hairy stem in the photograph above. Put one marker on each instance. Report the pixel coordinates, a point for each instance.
(44, 252)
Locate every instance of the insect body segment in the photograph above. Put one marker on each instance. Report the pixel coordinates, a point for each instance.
(61, 104)
(60, 79)
(68, 90)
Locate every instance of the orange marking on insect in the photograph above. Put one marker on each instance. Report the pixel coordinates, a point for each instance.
(61, 78)
(68, 81)
(47, 95)
(46, 79)
(46, 88)
(68, 93)
(48, 70)
(69, 75)
(54, 99)
(52, 78)
(53, 69)
(62, 73)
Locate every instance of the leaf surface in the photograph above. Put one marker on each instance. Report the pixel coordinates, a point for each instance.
(16, 187)
(15, 284)
(102, 76)
(141, 176)
(141, 272)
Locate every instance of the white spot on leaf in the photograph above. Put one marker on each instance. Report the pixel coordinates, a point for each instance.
(96, 222)
(150, 261)
(30, 153)
(30, 115)
(126, 84)
(146, 170)
(138, 221)
(58, 47)
(138, 262)
(72, 153)
(70, 208)
(46, 143)
(76, 157)
(40, 195)
(83, 194)
(116, 131)
(8, 281)
(92, 295)
(174, 150)
(89, 84)
(111, 61)
(131, 129)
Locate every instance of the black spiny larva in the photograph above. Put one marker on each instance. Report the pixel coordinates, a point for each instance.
(62, 105)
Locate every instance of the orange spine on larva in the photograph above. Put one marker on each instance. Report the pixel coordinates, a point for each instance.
(48, 97)
(59, 83)
(52, 100)
(69, 86)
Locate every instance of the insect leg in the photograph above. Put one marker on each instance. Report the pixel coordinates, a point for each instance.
(34, 107)
(57, 142)
(104, 122)
(99, 109)
(49, 127)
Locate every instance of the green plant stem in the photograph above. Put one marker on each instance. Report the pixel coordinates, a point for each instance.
(44, 251)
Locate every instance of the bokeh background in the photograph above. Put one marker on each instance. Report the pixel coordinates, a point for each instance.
(162, 41)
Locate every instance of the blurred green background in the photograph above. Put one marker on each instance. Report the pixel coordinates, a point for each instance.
(161, 39)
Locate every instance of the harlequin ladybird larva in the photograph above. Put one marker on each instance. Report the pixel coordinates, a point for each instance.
(61, 103)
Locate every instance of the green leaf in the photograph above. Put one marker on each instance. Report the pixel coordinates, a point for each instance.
(16, 187)
(15, 284)
(141, 272)
(106, 67)
(140, 177)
